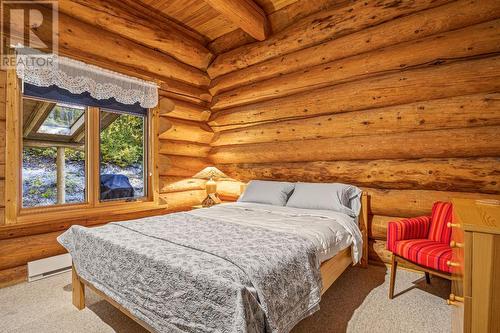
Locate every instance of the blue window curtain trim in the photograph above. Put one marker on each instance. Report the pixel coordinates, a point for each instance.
(62, 95)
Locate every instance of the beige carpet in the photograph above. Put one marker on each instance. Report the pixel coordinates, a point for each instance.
(357, 302)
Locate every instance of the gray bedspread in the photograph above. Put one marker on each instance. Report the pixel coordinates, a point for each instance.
(183, 273)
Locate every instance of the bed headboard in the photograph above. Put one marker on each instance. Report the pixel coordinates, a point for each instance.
(363, 226)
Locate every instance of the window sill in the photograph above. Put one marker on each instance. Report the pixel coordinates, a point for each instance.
(83, 212)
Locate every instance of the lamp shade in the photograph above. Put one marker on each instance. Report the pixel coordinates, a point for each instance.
(210, 173)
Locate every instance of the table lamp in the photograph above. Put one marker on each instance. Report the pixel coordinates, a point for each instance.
(211, 174)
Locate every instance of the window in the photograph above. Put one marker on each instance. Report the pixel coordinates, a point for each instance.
(53, 161)
(122, 155)
(76, 153)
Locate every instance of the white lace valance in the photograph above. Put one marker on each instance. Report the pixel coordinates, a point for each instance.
(78, 77)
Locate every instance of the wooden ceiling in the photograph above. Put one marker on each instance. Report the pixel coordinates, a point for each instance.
(195, 14)
(201, 16)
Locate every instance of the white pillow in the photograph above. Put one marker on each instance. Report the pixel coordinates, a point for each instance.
(267, 192)
(330, 196)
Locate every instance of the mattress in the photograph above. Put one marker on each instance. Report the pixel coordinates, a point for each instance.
(330, 231)
(238, 267)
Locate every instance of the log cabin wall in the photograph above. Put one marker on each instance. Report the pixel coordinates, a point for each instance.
(184, 146)
(3, 82)
(399, 98)
(178, 66)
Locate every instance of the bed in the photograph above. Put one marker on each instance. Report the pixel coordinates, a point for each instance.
(237, 267)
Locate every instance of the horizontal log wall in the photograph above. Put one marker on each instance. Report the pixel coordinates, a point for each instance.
(142, 26)
(445, 47)
(87, 42)
(184, 147)
(456, 112)
(447, 174)
(411, 27)
(401, 99)
(315, 29)
(3, 82)
(434, 82)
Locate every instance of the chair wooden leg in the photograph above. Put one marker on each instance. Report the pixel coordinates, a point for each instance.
(78, 290)
(394, 267)
(427, 278)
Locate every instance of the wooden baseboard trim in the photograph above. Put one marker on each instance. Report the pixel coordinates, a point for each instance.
(12, 276)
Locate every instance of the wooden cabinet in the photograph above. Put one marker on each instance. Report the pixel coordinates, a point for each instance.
(475, 266)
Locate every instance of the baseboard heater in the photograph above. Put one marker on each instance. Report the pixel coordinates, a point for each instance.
(43, 268)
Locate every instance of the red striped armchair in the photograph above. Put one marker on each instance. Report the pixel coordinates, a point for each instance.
(423, 242)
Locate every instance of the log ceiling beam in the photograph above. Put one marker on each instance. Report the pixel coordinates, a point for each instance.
(245, 14)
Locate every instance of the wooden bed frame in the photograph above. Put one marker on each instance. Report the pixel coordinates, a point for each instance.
(330, 270)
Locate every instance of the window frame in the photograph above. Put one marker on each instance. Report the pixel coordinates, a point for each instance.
(88, 161)
(15, 213)
(97, 171)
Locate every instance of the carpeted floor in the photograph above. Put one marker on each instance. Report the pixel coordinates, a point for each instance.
(357, 302)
